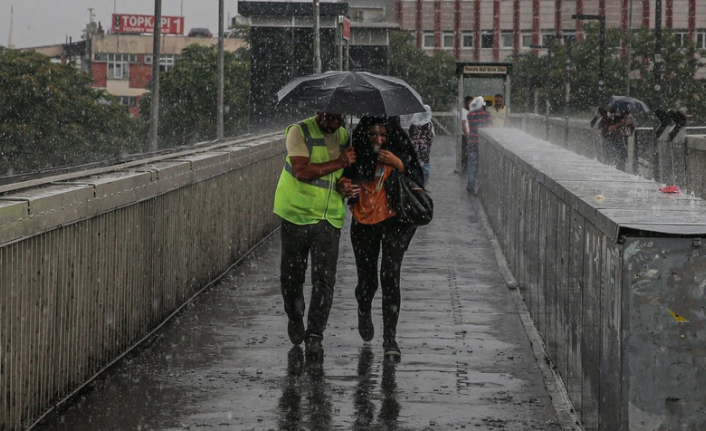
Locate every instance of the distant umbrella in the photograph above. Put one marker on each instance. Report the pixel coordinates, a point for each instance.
(626, 104)
(356, 93)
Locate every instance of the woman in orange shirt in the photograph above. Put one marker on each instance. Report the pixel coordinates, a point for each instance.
(382, 149)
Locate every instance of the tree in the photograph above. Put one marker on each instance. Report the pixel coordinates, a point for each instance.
(188, 98)
(680, 86)
(50, 116)
(434, 77)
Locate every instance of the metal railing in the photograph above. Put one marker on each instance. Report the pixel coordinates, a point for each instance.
(93, 261)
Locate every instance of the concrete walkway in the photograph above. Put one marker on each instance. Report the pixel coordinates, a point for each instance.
(226, 363)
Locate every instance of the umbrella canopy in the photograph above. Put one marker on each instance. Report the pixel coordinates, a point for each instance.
(626, 104)
(356, 93)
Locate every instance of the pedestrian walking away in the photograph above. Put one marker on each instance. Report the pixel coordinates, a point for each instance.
(421, 132)
(499, 112)
(383, 149)
(477, 118)
(309, 199)
(464, 132)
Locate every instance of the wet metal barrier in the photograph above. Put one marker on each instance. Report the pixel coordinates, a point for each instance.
(681, 162)
(613, 272)
(89, 265)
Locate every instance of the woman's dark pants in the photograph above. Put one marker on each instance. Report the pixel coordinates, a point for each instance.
(367, 241)
(298, 241)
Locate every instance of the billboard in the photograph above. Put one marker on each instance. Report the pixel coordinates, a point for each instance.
(346, 29)
(130, 23)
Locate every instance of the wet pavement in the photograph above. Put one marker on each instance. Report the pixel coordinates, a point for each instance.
(226, 363)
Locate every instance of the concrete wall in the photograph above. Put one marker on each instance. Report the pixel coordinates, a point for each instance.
(614, 283)
(89, 266)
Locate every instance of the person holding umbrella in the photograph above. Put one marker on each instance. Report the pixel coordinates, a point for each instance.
(383, 149)
(616, 126)
(309, 199)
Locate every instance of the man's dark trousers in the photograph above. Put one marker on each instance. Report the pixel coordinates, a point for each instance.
(298, 241)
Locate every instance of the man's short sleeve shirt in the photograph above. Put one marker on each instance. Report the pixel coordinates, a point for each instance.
(296, 146)
(498, 115)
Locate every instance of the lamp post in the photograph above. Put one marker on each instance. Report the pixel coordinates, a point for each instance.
(154, 105)
(568, 40)
(546, 84)
(317, 38)
(658, 84)
(221, 60)
(601, 49)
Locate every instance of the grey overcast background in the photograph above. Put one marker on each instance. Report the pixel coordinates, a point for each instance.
(47, 22)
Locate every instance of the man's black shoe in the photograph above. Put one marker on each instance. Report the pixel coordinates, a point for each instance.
(366, 329)
(295, 361)
(314, 349)
(296, 330)
(390, 347)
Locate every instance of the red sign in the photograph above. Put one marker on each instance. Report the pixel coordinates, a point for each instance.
(346, 29)
(129, 23)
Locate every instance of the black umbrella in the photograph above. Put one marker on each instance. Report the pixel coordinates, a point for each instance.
(356, 93)
(626, 104)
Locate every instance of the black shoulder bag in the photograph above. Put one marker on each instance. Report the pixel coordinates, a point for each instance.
(411, 203)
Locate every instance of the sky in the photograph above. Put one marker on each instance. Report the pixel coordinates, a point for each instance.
(48, 22)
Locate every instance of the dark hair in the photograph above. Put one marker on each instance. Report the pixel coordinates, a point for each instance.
(361, 130)
(468, 98)
(499, 95)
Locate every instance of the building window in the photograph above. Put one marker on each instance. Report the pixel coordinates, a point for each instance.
(526, 39)
(467, 40)
(127, 100)
(118, 64)
(681, 39)
(428, 39)
(548, 38)
(448, 40)
(506, 39)
(486, 39)
(701, 40)
(570, 33)
(166, 61)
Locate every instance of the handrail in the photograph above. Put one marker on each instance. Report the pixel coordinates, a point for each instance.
(119, 167)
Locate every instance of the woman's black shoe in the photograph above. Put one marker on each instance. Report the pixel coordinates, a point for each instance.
(296, 330)
(366, 329)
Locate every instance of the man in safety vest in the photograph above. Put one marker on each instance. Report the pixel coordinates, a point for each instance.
(309, 198)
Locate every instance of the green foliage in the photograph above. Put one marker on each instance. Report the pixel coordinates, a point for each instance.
(680, 88)
(188, 96)
(432, 76)
(50, 116)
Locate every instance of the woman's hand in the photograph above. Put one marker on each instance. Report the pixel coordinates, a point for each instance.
(389, 158)
(346, 187)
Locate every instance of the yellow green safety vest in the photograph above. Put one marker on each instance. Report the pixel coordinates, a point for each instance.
(308, 202)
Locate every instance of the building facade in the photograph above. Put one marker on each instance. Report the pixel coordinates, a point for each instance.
(121, 64)
(494, 30)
